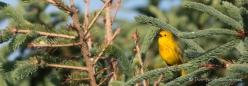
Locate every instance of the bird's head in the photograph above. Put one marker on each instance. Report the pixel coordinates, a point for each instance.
(166, 35)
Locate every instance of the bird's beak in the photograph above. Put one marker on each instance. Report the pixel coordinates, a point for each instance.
(159, 36)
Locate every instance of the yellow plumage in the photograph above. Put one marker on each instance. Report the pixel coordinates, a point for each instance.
(169, 49)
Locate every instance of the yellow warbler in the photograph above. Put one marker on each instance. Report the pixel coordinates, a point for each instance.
(169, 49)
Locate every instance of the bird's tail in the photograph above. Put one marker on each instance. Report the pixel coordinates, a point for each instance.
(183, 73)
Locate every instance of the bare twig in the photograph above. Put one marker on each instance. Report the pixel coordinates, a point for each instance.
(85, 24)
(59, 4)
(51, 1)
(72, 2)
(114, 63)
(117, 8)
(84, 48)
(86, 17)
(68, 67)
(116, 33)
(53, 45)
(108, 24)
(135, 36)
(100, 54)
(14, 30)
(79, 79)
(159, 80)
(100, 71)
(105, 79)
(97, 15)
(91, 35)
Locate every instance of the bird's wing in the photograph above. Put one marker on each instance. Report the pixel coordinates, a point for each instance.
(179, 52)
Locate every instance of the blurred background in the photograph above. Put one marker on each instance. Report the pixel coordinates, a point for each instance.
(184, 19)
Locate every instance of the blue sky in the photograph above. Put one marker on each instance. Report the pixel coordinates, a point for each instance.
(125, 12)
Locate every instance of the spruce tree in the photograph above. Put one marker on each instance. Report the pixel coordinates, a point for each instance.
(82, 53)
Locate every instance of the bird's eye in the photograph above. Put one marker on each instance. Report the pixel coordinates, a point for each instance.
(164, 34)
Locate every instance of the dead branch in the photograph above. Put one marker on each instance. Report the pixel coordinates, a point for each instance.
(14, 30)
(84, 48)
(135, 37)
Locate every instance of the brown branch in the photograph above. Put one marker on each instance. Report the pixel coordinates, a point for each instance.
(59, 4)
(100, 71)
(51, 1)
(85, 24)
(83, 42)
(91, 35)
(78, 79)
(86, 17)
(108, 23)
(68, 67)
(114, 63)
(53, 45)
(117, 8)
(135, 36)
(116, 33)
(100, 54)
(105, 79)
(159, 80)
(14, 30)
(94, 19)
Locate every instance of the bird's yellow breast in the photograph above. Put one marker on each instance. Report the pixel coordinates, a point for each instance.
(168, 53)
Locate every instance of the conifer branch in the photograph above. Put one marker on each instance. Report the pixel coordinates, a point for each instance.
(97, 15)
(5, 35)
(85, 24)
(151, 34)
(86, 14)
(108, 23)
(79, 79)
(23, 71)
(159, 80)
(83, 42)
(113, 37)
(195, 63)
(235, 72)
(54, 45)
(60, 5)
(91, 35)
(14, 31)
(216, 51)
(67, 67)
(233, 10)
(100, 71)
(156, 72)
(161, 24)
(188, 77)
(148, 39)
(243, 59)
(105, 79)
(244, 14)
(245, 41)
(17, 41)
(214, 13)
(116, 52)
(207, 32)
(135, 37)
(13, 13)
(117, 8)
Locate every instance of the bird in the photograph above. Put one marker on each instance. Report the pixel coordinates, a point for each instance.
(169, 49)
